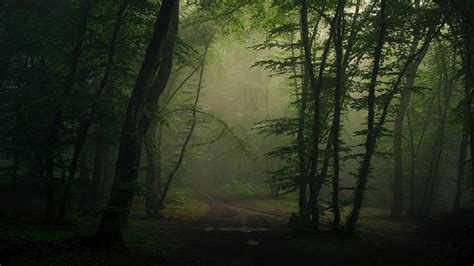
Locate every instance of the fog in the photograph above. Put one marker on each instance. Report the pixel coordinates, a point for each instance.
(236, 132)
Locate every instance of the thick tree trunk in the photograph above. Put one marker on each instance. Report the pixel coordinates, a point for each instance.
(86, 122)
(48, 177)
(84, 182)
(398, 176)
(13, 187)
(153, 175)
(465, 9)
(371, 138)
(468, 71)
(136, 124)
(461, 164)
(97, 175)
(108, 175)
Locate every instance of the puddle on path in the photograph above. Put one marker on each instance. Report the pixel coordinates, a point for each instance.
(243, 229)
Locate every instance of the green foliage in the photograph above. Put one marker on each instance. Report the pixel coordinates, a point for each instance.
(245, 189)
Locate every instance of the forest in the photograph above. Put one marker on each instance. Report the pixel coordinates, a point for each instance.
(236, 132)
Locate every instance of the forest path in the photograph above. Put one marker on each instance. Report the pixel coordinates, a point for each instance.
(236, 233)
(230, 213)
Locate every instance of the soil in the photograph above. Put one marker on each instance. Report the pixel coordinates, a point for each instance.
(233, 233)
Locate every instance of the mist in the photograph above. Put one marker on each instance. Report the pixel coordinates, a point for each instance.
(236, 132)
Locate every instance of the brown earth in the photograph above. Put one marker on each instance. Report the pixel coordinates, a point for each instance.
(233, 233)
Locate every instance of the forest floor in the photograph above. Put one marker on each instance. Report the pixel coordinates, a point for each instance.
(210, 227)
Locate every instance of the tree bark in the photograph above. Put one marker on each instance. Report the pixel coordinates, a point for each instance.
(13, 186)
(153, 175)
(84, 182)
(303, 182)
(300, 137)
(398, 176)
(136, 124)
(465, 12)
(309, 74)
(47, 171)
(335, 126)
(468, 70)
(439, 142)
(461, 162)
(97, 175)
(413, 154)
(338, 43)
(371, 138)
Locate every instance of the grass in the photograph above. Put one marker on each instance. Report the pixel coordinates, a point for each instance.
(153, 239)
(183, 205)
(236, 187)
(258, 196)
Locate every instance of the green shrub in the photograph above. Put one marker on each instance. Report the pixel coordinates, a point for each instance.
(243, 188)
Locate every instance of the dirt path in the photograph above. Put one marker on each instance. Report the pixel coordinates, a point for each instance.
(237, 234)
(227, 213)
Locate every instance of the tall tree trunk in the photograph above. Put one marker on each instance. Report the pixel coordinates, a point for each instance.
(300, 137)
(338, 43)
(465, 10)
(398, 176)
(461, 163)
(303, 179)
(84, 182)
(153, 175)
(414, 148)
(97, 175)
(467, 127)
(13, 186)
(136, 124)
(108, 175)
(335, 126)
(190, 133)
(439, 143)
(49, 189)
(411, 185)
(309, 75)
(87, 121)
(371, 138)
(468, 71)
(47, 171)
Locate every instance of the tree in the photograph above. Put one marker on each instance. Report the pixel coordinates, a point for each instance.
(398, 176)
(188, 137)
(87, 121)
(136, 124)
(371, 137)
(52, 138)
(309, 74)
(338, 41)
